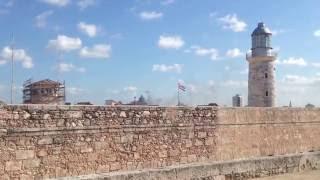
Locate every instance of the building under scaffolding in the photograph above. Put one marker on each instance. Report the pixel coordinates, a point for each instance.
(44, 92)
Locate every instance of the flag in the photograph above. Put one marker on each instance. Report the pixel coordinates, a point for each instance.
(181, 87)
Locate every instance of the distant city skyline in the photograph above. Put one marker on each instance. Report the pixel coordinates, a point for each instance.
(122, 49)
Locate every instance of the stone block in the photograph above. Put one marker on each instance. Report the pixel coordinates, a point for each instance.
(221, 177)
(86, 150)
(31, 163)
(198, 143)
(26, 177)
(127, 138)
(13, 165)
(60, 123)
(92, 157)
(115, 166)
(146, 113)
(188, 143)
(111, 158)
(26, 115)
(46, 117)
(61, 171)
(163, 154)
(24, 154)
(42, 152)
(136, 155)
(103, 169)
(123, 114)
(74, 114)
(174, 153)
(100, 145)
(192, 158)
(209, 141)
(202, 134)
(5, 177)
(45, 141)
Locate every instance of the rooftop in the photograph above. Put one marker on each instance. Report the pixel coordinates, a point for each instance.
(261, 29)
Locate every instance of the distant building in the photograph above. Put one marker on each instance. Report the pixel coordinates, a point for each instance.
(237, 101)
(141, 101)
(84, 103)
(261, 59)
(310, 105)
(111, 102)
(44, 92)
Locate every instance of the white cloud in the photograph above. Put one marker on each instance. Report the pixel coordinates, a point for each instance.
(233, 83)
(276, 32)
(213, 14)
(2, 62)
(41, 19)
(59, 3)
(19, 55)
(245, 71)
(211, 83)
(317, 65)
(9, 3)
(316, 33)
(192, 88)
(170, 42)
(65, 43)
(167, 2)
(167, 68)
(227, 68)
(210, 52)
(83, 4)
(299, 80)
(299, 89)
(89, 29)
(150, 15)
(130, 89)
(294, 61)
(232, 22)
(68, 67)
(99, 51)
(234, 53)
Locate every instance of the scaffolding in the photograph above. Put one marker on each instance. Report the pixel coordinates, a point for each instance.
(44, 92)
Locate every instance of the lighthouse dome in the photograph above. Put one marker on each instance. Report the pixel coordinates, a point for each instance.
(261, 29)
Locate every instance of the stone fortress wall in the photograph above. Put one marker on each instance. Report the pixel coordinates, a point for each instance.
(38, 141)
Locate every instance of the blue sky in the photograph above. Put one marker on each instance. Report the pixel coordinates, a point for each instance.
(108, 49)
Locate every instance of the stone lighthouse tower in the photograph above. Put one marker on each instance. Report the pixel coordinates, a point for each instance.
(261, 82)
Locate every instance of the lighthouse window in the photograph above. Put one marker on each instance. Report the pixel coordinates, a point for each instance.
(268, 43)
(266, 75)
(267, 93)
(263, 42)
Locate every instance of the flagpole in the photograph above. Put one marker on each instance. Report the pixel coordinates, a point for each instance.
(12, 73)
(178, 96)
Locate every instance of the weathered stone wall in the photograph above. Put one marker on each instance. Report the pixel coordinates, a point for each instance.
(226, 170)
(57, 141)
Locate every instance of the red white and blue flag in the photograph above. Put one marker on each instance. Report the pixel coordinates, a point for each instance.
(181, 87)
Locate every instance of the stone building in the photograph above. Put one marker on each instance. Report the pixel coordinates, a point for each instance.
(237, 101)
(111, 102)
(44, 92)
(261, 59)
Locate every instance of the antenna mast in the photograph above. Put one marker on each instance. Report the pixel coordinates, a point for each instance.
(12, 71)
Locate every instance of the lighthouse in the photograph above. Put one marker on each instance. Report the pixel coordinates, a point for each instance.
(261, 78)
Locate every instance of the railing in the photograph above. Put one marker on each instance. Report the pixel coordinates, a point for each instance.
(249, 55)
